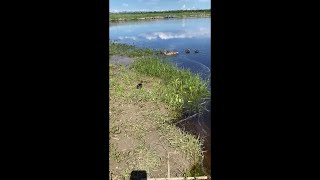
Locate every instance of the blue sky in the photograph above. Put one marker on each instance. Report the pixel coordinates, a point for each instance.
(157, 5)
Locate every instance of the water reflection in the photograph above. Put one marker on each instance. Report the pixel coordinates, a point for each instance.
(196, 33)
(128, 37)
(183, 23)
(171, 34)
(178, 35)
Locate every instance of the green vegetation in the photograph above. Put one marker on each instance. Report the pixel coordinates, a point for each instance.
(139, 118)
(158, 15)
(128, 50)
(181, 90)
(142, 132)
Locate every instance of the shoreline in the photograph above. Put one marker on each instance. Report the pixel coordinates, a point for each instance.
(153, 18)
(159, 15)
(164, 111)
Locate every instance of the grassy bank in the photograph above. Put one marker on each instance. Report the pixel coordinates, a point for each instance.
(158, 15)
(181, 89)
(142, 132)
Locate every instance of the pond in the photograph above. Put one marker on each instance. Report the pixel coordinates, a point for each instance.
(177, 35)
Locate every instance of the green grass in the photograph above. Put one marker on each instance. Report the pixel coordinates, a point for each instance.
(162, 14)
(142, 156)
(128, 50)
(177, 89)
(182, 90)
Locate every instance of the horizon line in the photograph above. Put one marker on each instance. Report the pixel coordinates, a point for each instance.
(122, 11)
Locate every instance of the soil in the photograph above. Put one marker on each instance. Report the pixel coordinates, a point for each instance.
(136, 141)
(128, 141)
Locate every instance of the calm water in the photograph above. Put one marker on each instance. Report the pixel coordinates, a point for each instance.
(177, 35)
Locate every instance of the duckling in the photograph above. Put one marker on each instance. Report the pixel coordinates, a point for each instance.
(139, 86)
(196, 51)
(187, 51)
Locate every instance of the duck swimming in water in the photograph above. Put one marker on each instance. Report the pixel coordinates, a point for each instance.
(196, 51)
(187, 51)
(170, 53)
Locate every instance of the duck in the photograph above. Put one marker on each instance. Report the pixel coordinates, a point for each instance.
(170, 53)
(187, 51)
(196, 51)
(139, 86)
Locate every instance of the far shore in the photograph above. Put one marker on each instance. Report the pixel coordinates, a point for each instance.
(159, 15)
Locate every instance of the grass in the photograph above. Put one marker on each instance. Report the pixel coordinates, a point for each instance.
(158, 15)
(135, 113)
(128, 50)
(182, 89)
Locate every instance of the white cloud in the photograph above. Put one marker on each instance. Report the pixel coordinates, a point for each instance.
(150, 2)
(183, 7)
(125, 4)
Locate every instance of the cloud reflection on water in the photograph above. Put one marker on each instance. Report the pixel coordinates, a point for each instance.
(196, 33)
(127, 37)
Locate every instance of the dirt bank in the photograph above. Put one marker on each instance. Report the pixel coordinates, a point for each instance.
(141, 136)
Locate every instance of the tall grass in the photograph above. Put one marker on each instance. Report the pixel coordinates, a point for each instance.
(182, 88)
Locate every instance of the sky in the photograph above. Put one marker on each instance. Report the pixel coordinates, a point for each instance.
(157, 5)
